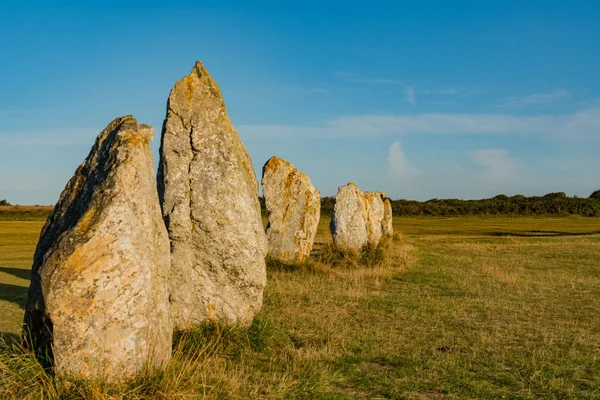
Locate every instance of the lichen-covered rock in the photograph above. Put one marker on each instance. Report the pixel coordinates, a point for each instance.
(375, 213)
(294, 208)
(386, 225)
(209, 198)
(349, 219)
(98, 298)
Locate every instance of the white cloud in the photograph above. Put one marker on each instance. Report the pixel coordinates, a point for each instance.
(538, 98)
(409, 93)
(497, 163)
(582, 125)
(398, 165)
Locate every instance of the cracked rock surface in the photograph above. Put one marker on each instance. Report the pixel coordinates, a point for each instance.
(209, 198)
(294, 208)
(98, 297)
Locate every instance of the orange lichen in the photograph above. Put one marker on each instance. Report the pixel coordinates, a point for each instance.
(85, 222)
(134, 138)
(189, 89)
(274, 163)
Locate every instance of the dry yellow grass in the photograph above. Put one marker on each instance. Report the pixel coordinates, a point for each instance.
(457, 308)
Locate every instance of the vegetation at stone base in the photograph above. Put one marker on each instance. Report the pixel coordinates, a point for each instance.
(457, 308)
(24, 213)
(550, 204)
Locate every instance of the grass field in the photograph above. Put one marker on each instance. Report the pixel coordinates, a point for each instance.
(458, 308)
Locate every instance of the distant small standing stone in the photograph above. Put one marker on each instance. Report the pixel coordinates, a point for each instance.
(375, 214)
(349, 219)
(294, 208)
(98, 298)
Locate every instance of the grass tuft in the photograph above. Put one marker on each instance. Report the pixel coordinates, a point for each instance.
(369, 256)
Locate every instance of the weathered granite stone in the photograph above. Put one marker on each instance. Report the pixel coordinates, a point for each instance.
(375, 214)
(209, 198)
(294, 208)
(98, 298)
(349, 219)
(386, 225)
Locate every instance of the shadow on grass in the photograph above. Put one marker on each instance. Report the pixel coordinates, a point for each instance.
(18, 272)
(537, 233)
(14, 294)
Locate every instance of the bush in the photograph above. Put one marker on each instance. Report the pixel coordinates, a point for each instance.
(368, 256)
(4, 203)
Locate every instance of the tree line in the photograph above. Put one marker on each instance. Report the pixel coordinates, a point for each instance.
(557, 203)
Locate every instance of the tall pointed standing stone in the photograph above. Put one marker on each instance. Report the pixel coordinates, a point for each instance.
(375, 214)
(294, 207)
(209, 197)
(98, 298)
(387, 224)
(349, 219)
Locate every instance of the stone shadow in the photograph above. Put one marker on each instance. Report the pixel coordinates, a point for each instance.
(18, 272)
(14, 294)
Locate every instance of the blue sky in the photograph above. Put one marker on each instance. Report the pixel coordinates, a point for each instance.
(463, 99)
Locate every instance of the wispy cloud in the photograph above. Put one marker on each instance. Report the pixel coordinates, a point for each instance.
(415, 89)
(398, 165)
(533, 99)
(581, 125)
(409, 94)
(450, 91)
(497, 163)
(354, 78)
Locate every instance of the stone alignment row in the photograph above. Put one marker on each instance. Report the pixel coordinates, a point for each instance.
(125, 258)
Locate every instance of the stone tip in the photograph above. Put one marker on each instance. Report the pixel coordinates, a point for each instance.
(275, 158)
(199, 69)
(146, 131)
(275, 162)
(128, 127)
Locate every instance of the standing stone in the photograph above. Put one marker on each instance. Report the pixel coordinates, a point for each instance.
(294, 208)
(98, 298)
(209, 198)
(349, 220)
(375, 213)
(386, 225)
